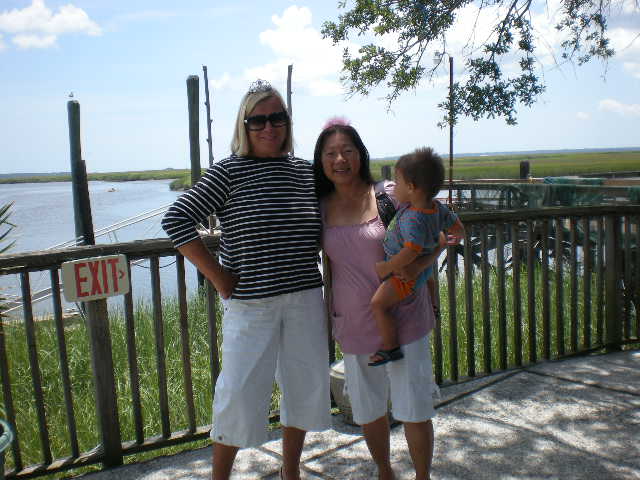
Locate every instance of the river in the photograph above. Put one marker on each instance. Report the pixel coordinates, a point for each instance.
(43, 215)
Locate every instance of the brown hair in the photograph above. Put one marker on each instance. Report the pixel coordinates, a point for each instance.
(424, 169)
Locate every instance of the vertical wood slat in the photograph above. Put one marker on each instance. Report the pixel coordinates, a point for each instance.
(104, 381)
(185, 342)
(36, 377)
(531, 294)
(486, 300)
(546, 296)
(214, 360)
(156, 298)
(627, 267)
(613, 326)
(558, 255)
(502, 298)
(468, 296)
(7, 394)
(453, 323)
(586, 282)
(600, 281)
(573, 275)
(517, 295)
(637, 275)
(132, 361)
(64, 362)
(436, 340)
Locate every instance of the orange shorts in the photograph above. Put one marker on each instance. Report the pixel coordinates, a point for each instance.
(403, 289)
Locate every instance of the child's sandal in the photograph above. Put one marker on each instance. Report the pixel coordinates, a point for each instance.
(387, 356)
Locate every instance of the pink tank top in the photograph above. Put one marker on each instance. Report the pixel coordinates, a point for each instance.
(353, 250)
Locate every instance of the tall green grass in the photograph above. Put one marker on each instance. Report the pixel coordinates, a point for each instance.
(77, 341)
(493, 301)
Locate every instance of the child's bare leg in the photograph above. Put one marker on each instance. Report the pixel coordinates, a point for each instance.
(385, 298)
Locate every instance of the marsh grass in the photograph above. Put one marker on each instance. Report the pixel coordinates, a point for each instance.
(77, 342)
(542, 165)
(477, 299)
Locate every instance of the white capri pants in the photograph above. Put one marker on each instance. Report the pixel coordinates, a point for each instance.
(409, 381)
(283, 337)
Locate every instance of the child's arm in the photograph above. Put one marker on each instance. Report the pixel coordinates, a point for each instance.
(415, 268)
(401, 259)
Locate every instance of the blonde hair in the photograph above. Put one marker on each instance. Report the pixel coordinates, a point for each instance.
(240, 144)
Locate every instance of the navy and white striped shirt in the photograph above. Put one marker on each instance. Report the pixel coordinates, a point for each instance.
(270, 221)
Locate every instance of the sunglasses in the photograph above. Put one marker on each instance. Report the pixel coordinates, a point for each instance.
(258, 122)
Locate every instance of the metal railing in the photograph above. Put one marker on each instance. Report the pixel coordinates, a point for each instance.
(525, 286)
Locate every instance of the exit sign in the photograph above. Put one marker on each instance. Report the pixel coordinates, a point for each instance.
(95, 278)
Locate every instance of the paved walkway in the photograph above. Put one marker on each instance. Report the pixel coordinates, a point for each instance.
(571, 419)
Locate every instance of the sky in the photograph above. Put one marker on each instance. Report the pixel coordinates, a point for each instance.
(127, 62)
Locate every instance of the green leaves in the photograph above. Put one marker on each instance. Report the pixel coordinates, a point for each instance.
(488, 90)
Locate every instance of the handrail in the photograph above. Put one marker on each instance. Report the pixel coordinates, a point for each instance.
(116, 226)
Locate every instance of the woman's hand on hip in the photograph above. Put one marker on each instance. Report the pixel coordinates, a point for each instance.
(225, 283)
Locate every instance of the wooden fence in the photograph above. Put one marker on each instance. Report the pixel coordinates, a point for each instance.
(525, 286)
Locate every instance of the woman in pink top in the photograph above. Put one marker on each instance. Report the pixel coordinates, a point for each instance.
(352, 239)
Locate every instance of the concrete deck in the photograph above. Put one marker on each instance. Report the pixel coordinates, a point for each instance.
(571, 419)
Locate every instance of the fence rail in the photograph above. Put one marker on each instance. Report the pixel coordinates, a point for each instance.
(525, 286)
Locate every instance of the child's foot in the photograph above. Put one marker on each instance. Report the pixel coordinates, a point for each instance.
(385, 356)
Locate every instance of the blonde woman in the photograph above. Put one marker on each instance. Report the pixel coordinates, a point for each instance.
(274, 319)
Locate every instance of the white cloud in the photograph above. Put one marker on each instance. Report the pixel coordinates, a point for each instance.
(220, 82)
(583, 116)
(630, 6)
(36, 26)
(625, 42)
(34, 41)
(316, 62)
(610, 105)
(633, 68)
(2, 45)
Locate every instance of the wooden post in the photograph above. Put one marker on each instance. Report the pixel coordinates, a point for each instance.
(194, 126)
(96, 311)
(103, 377)
(193, 92)
(79, 185)
(209, 121)
(207, 103)
(613, 317)
(386, 172)
(289, 107)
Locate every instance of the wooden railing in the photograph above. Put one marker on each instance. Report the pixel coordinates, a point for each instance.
(525, 286)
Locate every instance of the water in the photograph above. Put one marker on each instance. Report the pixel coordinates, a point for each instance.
(43, 215)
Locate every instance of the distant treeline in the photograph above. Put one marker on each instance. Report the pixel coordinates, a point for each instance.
(464, 168)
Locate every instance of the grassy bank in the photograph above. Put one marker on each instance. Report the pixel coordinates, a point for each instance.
(106, 177)
(464, 168)
(543, 165)
(508, 166)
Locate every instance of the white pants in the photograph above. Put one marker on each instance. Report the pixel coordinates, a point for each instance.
(282, 337)
(409, 381)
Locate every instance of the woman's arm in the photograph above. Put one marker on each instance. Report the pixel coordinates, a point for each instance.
(401, 259)
(196, 252)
